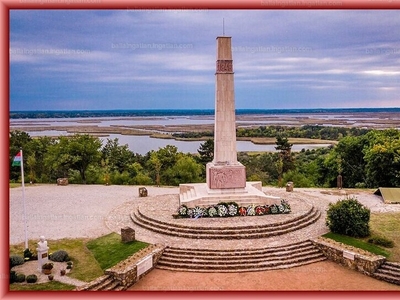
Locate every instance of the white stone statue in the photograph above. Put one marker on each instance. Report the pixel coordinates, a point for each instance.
(42, 251)
(42, 244)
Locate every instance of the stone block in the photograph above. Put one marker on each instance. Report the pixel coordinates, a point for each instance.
(127, 234)
(226, 176)
(62, 181)
(289, 186)
(142, 192)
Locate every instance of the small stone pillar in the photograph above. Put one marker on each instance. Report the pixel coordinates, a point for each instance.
(127, 234)
(339, 182)
(289, 186)
(42, 252)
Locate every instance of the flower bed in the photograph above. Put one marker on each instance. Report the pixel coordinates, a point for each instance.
(232, 209)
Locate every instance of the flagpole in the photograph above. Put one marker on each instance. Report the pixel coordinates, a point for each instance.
(23, 199)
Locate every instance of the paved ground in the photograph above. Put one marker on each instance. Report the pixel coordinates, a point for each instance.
(84, 211)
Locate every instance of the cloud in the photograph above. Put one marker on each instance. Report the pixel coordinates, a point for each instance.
(159, 56)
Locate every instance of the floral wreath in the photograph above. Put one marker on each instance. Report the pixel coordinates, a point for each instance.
(232, 209)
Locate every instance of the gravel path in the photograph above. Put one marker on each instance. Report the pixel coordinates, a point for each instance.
(72, 211)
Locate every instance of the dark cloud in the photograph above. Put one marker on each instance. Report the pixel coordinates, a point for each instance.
(133, 59)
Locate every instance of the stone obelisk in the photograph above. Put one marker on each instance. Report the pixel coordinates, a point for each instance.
(226, 177)
(225, 173)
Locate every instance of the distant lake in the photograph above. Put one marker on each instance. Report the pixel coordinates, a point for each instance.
(142, 144)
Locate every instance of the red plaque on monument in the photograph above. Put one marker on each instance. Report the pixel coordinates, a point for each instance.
(224, 66)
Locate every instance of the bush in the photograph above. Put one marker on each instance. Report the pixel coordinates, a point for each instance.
(13, 276)
(20, 278)
(381, 242)
(31, 278)
(59, 256)
(28, 254)
(348, 217)
(16, 260)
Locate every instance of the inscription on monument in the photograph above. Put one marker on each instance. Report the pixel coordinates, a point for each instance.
(144, 265)
(349, 255)
(227, 177)
(224, 66)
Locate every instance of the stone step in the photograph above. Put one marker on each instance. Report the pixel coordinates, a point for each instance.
(389, 272)
(307, 214)
(392, 266)
(94, 284)
(239, 259)
(242, 260)
(387, 278)
(240, 266)
(102, 285)
(248, 269)
(173, 251)
(222, 233)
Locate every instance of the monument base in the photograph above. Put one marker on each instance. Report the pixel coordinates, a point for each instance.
(226, 176)
(199, 194)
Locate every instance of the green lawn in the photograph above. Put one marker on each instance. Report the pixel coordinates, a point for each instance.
(358, 243)
(387, 225)
(90, 258)
(14, 185)
(108, 250)
(86, 268)
(47, 286)
(384, 225)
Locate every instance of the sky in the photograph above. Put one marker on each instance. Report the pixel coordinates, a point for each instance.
(165, 59)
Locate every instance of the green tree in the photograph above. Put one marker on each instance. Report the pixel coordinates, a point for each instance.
(156, 164)
(206, 152)
(185, 170)
(348, 156)
(40, 147)
(76, 153)
(285, 153)
(161, 161)
(31, 164)
(118, 156)
(382, 158)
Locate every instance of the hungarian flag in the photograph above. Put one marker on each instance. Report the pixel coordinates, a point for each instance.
(17, 160)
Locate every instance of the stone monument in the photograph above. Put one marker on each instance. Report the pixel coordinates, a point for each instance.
(43, 252)
(225, 176)
(225, 172)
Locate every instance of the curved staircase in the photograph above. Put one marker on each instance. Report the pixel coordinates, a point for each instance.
(226, 232)
(230, 244)
(240, 260)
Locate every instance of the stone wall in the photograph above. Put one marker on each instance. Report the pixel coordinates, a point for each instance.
(350, 257)
(130, 270)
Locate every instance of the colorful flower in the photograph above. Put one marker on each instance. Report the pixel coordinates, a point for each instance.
(242, 211)
(232, 209)
(260, 210)
(212, 211)
(182, 211)
(222, 210)
(251, 210)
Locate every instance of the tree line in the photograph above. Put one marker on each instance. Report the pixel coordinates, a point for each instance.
(305, 131)
(366, 160)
